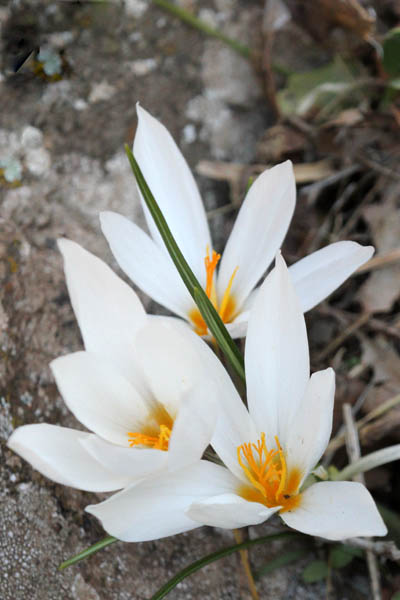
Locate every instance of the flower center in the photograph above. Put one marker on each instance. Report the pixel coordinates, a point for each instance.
(227, 307)
(267, 472)
(156, 432)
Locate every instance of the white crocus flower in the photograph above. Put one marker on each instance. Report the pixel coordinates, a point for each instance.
(259, 230)
(139, 387)
(268, 449)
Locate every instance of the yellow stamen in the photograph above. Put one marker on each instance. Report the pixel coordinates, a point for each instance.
(227, 296)
(159, 442)
(267, 473)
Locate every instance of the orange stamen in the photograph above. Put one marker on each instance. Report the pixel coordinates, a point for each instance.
(210, 265)
(267, 473)
(227, 309)
(159, 442)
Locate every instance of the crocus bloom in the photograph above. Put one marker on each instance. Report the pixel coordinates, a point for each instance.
(258, 232)
(268, 450)
(138, 387)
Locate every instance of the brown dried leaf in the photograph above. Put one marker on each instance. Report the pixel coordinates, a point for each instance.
(349, 14)
(320, 16)
(382, 288)
(279, 142)
(389, 424)
(346, 118)
(379, 354)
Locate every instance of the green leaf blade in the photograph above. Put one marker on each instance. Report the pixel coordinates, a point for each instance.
(210, 315)
(391, 52)
(88, 552)
(221, 334)
(206, 560)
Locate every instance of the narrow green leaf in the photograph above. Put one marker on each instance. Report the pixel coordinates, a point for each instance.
(391, 52)
(88, 552)
(315, 87)
(210, 315)
(315, 571)
(223, 338)
(280, 561)
(206, 560)
(201, 25)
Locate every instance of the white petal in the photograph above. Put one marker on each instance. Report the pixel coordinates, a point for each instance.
(175, 190)
(174, 360)
(310, 429)
(194, 426)
(276, 355)
(57, 453)
(132, 463)
(156, 507)
(259, 230)
(107, 309)
(238, 327)
(100, 398)
(234, 427)
(145, 263)
(319, 274)
(336, 510)
(229, 511)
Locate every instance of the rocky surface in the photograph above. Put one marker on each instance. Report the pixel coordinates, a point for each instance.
(66, 139)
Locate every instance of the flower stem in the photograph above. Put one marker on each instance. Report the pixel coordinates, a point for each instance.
(206, 560)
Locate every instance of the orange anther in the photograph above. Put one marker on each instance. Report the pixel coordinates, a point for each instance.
(159, 442)
(267, 473)
(210, 264)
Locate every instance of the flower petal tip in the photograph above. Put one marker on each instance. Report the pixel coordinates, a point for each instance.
(369, 251)
(64, 245)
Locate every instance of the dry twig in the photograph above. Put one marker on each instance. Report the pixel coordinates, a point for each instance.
(373, 323)
(383, 260)
(339, 439)
(354, 454)
(244, 556)
(384, 549)
(338, 341)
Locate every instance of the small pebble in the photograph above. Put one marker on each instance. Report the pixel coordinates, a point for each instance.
(136, 8)
(31, 137)
(37, 161)
(101, 91)
(189, 134)
(143, 66)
